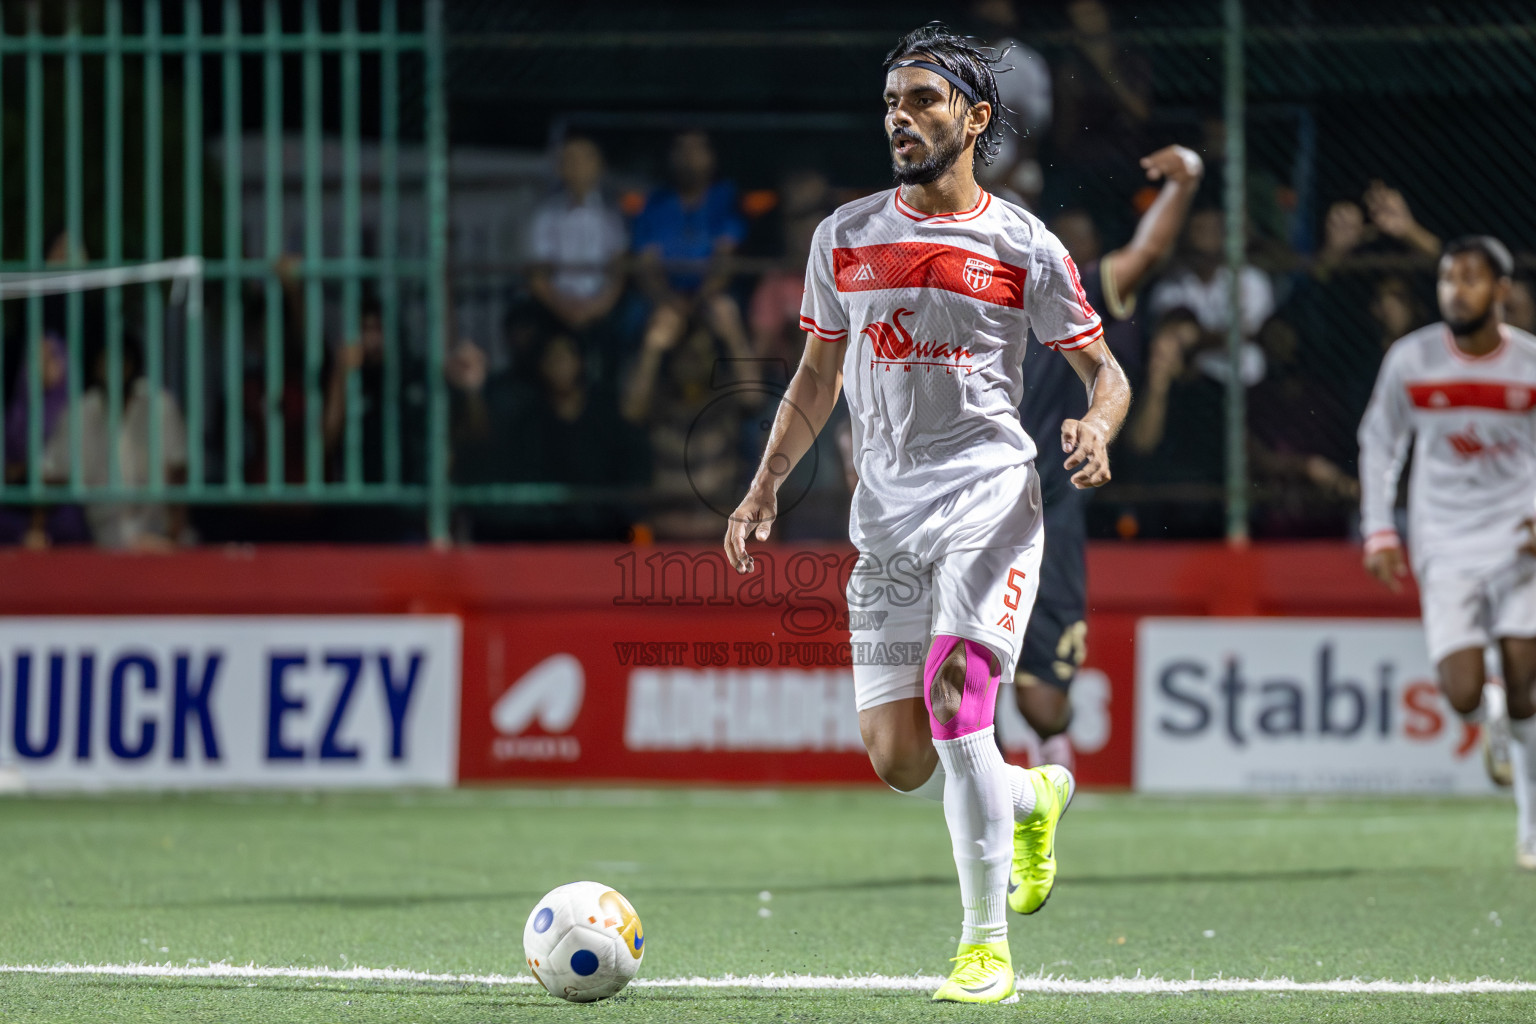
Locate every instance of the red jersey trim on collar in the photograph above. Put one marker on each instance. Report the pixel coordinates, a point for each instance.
(912, 212)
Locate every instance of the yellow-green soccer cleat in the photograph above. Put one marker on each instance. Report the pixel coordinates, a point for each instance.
(982, 974)
(1034, 839)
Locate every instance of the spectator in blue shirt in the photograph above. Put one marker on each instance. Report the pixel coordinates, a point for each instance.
(684, 238)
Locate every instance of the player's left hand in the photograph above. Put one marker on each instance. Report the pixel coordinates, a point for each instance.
(1529, 547)
(1087, 447)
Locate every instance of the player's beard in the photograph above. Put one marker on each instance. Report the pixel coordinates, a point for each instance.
(1470, 325)
(942, 154)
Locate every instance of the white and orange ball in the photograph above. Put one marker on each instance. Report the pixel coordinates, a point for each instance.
(583, 942)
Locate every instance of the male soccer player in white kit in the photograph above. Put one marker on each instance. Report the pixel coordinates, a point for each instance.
(919, 302)
(1465, 392)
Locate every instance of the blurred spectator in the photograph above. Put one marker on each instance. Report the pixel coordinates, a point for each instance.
(774, 312)
(1200, 289)
(1122, 332)
(1176, 439)
(577, 239)
(1399, 311)
(1520, 307)
(1346, 230)
(814, 500)
(1024, 87)
(1297, 433)
(577, 242)
(691, 401)
(364, 355)
(1103, 95)
(289, 315)
(145, 526)
(558, 429)
(685, 233)
(61, 524)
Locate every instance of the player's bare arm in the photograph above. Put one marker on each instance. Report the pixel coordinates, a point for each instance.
(1388, 566)
(1086, 441)
(1180, 170)
(802, 413)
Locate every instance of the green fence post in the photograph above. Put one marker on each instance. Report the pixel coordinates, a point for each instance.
(314, 254)
(112, 170)
(437, 281)
(34, 247)
(274, 358)
(1236, 202)
(389, 202)
(74, 223)
(154, 189)
(192, 192)
(351, 233)
(234, 324)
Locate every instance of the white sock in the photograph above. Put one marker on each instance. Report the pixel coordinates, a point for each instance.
(977, 806)
(933, 789)
(1522, 757)
(1021, 790)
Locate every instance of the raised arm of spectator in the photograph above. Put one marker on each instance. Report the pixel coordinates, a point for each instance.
(661, 335)
(1389, 212)
(466, 371)
(1176, 336)
(348, 358)
(1180, 170)
(723, 315)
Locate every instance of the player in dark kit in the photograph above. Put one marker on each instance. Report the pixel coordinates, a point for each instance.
(1055, 641)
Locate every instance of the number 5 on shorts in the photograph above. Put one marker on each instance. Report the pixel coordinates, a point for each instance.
(1018, 595)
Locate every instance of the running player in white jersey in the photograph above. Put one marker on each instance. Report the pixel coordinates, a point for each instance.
(919, 302)
(1465, 392)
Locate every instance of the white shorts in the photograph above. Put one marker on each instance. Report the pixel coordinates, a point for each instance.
(1465, 607)
(900, 597)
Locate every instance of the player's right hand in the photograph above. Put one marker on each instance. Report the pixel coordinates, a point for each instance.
(752, 518)
(1388, 566)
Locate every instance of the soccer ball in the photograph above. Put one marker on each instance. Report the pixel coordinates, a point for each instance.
(583, 942)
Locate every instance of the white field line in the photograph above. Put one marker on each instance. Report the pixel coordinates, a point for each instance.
(1044, 984)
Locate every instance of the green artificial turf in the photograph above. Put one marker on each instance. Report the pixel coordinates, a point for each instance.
(859, 881)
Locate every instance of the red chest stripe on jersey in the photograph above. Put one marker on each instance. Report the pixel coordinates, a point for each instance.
(1473, 394)
(928, 265)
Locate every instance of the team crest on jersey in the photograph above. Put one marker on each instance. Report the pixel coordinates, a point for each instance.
(977, 274)
(895, 346)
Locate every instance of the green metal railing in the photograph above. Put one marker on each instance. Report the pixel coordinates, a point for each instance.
(64, 46)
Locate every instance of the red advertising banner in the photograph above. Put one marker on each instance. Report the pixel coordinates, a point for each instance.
(706, 696)
(691, 673)
(606, 662)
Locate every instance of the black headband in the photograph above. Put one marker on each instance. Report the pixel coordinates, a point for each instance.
(943, 72)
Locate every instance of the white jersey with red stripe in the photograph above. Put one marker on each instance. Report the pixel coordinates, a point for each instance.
(936, 311)
(1473, 424)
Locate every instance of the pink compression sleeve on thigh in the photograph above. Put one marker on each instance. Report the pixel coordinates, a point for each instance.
(978, 702)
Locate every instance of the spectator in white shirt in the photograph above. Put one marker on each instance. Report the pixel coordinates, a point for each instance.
(146, 526)
(1200, 289)
(576, 243)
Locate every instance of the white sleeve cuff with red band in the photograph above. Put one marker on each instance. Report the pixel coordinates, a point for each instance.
(824, 333)
(1082, 340)
(1381, 540)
